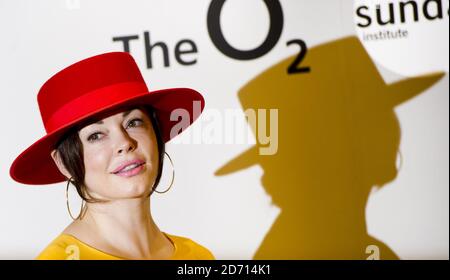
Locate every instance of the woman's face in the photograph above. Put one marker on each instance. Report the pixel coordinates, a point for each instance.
(122, 139)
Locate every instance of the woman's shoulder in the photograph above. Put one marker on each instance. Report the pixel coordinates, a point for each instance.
(186, 248)
(68, 247)
(63, 247)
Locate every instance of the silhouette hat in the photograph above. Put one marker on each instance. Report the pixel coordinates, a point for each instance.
(342, 63)
(85, 90)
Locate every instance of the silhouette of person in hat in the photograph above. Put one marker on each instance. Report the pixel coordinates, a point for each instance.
(338, 137)
(105, 135)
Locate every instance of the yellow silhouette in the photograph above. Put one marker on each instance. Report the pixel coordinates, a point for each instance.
(338, 137)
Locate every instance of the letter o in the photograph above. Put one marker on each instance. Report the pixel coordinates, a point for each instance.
(216, 34)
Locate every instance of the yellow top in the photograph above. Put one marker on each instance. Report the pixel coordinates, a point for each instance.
(67, 247)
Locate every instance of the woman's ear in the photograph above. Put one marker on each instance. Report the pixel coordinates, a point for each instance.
(60, 164)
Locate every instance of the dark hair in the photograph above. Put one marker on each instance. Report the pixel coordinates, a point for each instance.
(70, 152)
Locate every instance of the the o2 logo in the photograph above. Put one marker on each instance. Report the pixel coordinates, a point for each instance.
(186, 48)
(274, 34)
(217, 37)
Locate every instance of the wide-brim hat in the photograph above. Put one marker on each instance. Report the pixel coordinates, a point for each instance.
(87, 89)
(355, 72)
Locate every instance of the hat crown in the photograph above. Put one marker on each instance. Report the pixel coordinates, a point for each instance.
(84, 77)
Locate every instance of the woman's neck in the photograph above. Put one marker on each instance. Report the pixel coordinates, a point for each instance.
(122, 227)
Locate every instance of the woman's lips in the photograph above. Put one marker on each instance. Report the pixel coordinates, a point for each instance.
(128, 163)
(132, 172)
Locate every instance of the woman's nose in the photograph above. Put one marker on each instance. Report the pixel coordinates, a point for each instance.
(124, 143)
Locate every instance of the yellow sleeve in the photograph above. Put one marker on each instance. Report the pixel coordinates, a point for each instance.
(188, 249)
(60, 250)
(201, 252)
(205, 254)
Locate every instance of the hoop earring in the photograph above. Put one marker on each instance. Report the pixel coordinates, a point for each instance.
(67, 202)
(173, 176)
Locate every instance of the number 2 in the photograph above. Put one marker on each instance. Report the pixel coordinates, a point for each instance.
(295, 66)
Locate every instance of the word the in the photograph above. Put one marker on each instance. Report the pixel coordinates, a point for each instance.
(182, 48)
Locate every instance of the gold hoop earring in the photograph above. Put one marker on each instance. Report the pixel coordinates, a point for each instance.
(173, 176)
(67, 202)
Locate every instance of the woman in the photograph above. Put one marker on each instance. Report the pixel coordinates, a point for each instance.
(105, 135)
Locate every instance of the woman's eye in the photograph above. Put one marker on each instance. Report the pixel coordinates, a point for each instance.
(94, 137)
(97, 135)
(135, 122)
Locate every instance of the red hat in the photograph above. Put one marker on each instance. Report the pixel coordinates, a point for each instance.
(86, 89)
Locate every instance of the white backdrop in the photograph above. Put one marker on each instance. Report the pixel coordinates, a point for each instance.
(231, 214)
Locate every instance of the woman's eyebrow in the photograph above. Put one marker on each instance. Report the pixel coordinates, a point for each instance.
(126, 113)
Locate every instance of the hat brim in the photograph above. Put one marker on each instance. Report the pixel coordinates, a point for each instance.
(243, 161)
(399, 92)
(35, 166)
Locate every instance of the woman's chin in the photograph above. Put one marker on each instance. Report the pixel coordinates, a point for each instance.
(134, 190)
(131, 187)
